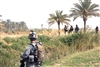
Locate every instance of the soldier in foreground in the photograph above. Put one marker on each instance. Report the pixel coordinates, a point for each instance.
(34, 52)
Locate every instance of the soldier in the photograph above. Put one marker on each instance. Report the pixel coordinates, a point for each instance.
(34, 52)
(96, 29)
(65, 29)
(71, 29)
(76, 29)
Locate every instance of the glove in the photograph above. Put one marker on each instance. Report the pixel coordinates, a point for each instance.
(22, 63)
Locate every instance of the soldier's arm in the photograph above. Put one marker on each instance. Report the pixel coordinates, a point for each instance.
(26, 52)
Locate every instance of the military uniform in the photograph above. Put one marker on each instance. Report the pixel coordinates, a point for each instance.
(34, 53)
(76, 29)
(27, 52)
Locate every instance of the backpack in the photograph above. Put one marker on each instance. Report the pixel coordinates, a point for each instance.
(38, 51)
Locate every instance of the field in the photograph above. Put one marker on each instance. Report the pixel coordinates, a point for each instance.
(73, 50)
(90, 58)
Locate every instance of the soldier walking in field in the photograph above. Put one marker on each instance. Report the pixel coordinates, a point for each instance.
(71, 29)
(96, 29)
(76, 29)
(65, 29)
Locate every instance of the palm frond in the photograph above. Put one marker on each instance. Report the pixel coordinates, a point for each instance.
(50, 23)
(61, 12)
(58, 14)
(87, 3)
(96, 14)
(75, 13)
(52, 15)
(65, 16)
(66, 23)
(75, 18)
(93, 6)
(67, 20)
(80, 2)
(94, 10)
(77, 6)
(72, 9)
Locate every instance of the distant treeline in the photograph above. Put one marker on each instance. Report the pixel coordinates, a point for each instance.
(11, 26)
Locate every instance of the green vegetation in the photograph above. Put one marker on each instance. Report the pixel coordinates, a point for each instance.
(55, 49)
(10, 55)
(90, 58)
(60, 51)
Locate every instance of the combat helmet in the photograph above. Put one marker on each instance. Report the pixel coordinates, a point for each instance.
(32, 35)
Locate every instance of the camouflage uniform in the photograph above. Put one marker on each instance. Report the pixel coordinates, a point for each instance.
(33, 54)
(27, 52)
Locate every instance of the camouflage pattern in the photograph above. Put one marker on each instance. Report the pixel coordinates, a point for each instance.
(26, 54)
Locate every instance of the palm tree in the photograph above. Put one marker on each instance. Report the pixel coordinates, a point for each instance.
(85, 9)
(59, 18)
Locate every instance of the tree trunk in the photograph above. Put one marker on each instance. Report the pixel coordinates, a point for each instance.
(58, 28)
(84, 25)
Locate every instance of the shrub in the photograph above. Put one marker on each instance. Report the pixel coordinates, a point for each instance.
(9, 40)
(44, 38)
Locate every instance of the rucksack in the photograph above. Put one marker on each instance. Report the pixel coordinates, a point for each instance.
(38, 52)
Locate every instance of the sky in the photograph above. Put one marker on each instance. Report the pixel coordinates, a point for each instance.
(36, 12)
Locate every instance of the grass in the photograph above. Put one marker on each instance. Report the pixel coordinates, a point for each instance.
(90, 58)
(56, 48)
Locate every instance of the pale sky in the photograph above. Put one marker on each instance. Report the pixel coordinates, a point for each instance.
(36, 12)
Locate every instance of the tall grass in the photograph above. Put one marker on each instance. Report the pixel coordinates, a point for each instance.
(55, 47)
